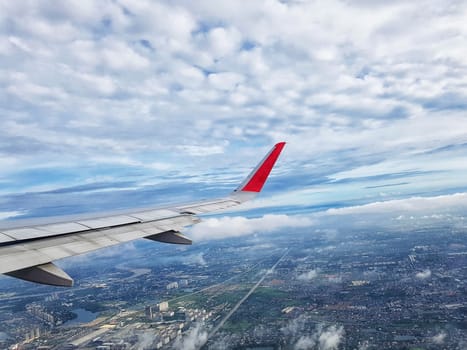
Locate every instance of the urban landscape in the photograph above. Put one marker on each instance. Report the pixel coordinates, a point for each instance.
(359, 289)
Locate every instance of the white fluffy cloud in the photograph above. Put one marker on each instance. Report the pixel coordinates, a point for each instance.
(407, 205)
(219, 228)
(300, 59)
(439, 338)
(423, 275)
(324, 338)
(309, 275)
(193, 339)
(357, 88)
(10, 214)
(197, 259)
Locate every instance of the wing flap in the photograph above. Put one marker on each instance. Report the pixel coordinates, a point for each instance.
(19, 257)
(151, 215)
(108, 221)
(45, 250)
(45, 274)
(25, 233)
(65, 227)
(206, 207)
(4, 238)
(81, 226)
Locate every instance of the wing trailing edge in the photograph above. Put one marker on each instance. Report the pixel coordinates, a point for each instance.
(27, 251)
(44, 274)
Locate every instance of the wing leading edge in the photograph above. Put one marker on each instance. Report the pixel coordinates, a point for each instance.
(28, 252)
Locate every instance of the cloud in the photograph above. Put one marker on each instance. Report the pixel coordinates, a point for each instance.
(423, 275)
(305, 343)
(367, 94)
(197, 259)
(334, 279)
(10, 214)
(295, 327)
(331, 337)
(324, 338)
(193, 339)
(219, 228)
(309, 275)
(145, 340)
(439, 338)
(407, 205)
(201, 150)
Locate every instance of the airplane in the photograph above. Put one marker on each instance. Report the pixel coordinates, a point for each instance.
(27, 251)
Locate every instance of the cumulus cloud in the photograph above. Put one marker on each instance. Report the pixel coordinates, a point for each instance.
(396, 213)
(193, 339)
(331, 337)
(295, 327)
(324, 338)
(197, 259)
(305, 343)
(309, 275)
(413, 204)
(423, 275)
(10, 214)
(439, 338)
(363, 91)
(334, 279)
(218, 228)
(201, 150)
(145, 340)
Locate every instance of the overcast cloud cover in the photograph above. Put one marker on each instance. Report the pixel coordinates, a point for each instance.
(122, 96)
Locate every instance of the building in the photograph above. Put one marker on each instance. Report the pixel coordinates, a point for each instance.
(149, 312)
(164, 306)
(172, 285)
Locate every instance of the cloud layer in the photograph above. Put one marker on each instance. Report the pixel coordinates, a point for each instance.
(367, 93)
(408, 205)
(223, 227)
(391, 214)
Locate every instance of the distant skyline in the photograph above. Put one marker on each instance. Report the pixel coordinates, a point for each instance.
(109, 104)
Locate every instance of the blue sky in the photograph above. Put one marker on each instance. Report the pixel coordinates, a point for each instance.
(112, 104)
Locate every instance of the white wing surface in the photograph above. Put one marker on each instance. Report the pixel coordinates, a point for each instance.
(27, 251)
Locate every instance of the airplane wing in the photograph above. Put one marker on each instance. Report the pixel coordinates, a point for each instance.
(28, 252)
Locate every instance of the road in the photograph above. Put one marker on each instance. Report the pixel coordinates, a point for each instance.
(214, 285)
(251, 291)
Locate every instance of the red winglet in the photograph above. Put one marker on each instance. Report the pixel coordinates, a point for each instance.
(255, 181)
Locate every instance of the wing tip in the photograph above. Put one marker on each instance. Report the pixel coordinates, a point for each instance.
(257, 178)
(281, 144)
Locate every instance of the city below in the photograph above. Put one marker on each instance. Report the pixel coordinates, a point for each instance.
(360, 289)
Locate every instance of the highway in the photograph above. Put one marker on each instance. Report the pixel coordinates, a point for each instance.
(251, 291)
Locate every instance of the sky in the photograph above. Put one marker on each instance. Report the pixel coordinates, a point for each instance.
(115, 104)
